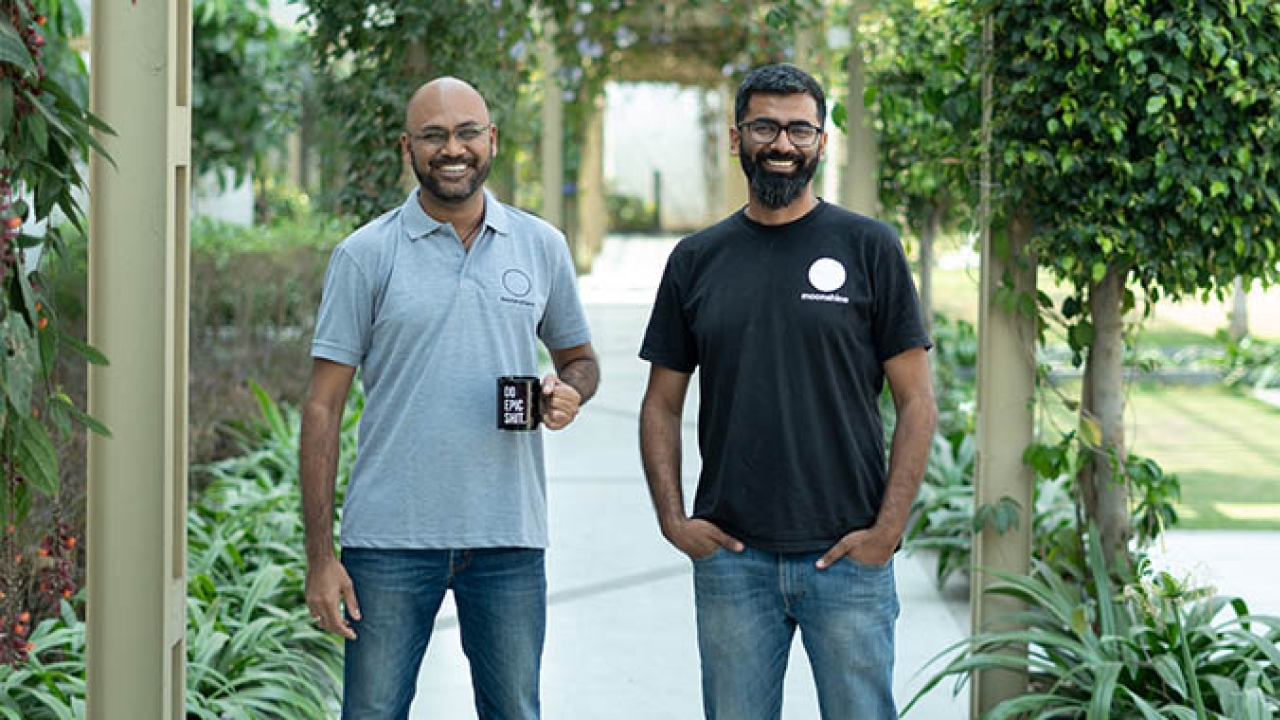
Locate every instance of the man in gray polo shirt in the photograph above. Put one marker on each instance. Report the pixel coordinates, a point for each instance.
(434, 301)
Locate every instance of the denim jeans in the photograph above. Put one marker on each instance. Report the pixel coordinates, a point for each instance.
(501, 595)
(749, 605)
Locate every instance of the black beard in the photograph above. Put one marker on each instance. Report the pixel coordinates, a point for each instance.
(449, 194)
(775, 190)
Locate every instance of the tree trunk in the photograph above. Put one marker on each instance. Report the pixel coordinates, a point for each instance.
(1105, 492)
(932, 228)
(861, 191)
(1239, 309)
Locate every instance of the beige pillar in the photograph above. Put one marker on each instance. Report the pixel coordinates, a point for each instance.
(1006, 387)
(1006, 392)
(860, 183)
(593, 214)
(552, 132)
(136, 650)
(733, 187)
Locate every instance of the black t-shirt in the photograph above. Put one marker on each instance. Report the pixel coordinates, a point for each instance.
(790, 325)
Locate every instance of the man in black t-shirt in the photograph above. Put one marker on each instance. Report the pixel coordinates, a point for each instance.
(797, 312)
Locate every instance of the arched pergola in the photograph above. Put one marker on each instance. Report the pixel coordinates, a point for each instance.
(138, 298)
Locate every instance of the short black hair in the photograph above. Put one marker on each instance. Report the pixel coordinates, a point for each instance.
(780, 79)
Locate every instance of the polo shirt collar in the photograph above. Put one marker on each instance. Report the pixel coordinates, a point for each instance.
(418, 224)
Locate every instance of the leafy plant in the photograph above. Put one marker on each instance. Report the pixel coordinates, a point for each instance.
(252, 650)
(245, 76)
(50, 683)
(1151, 648)
(45, 137)
(945, 519)
(1250, 362)
(1137, 141)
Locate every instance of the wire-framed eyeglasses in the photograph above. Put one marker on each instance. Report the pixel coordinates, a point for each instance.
(439, 137)
(801, 133)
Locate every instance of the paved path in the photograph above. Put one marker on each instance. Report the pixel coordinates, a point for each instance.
(620, 635)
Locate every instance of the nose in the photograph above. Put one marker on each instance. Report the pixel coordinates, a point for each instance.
(783, 141)
(452, 144)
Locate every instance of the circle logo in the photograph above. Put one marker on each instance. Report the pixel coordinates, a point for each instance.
(516, 282)
(826, 275)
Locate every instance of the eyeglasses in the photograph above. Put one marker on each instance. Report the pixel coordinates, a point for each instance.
(801, 133)
(439, 137)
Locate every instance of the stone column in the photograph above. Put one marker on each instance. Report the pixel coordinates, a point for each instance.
(733, 183)
(138, 268)
(1006, 395)
(552, 132)
(593, 214)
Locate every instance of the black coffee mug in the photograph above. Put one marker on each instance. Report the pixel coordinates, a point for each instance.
(519, 402)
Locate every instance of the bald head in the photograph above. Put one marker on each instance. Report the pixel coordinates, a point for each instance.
(445, 102)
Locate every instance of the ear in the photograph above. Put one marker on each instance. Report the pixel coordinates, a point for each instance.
(735, 140)
(493, 140)
(822, 146)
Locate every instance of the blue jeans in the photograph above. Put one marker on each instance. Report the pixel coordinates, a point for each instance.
(501, 595)
(749, 606)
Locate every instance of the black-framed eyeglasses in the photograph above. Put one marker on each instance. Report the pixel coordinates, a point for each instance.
(439, 137)
(801, 133)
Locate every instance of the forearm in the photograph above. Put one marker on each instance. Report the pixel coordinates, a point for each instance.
(908, 457)
(660, 450)
(583, 374)
(318, 466)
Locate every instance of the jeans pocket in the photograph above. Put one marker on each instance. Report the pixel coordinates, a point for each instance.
(869, 566)
(719, 549)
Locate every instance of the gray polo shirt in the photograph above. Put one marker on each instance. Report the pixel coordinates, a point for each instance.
(431, 328)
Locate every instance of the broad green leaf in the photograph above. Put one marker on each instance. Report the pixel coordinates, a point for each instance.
(1091, 432)
(86, 419)
(36, 456)
(840, 116)
(13, 50)
(19, 368)
(91, 354)
(1156, 104)
(1167, 667)
(6, 106)
(1098, 271)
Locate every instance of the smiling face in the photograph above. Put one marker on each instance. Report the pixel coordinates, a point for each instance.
(449, 157)
(779, 173)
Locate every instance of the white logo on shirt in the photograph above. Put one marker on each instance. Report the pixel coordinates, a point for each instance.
(826, 275)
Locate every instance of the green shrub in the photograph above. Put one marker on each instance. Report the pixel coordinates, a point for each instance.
(1250, 362)
(630, 214)
(1154, 648)
(252, 650)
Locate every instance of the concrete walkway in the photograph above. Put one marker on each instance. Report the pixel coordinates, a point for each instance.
(620, 634)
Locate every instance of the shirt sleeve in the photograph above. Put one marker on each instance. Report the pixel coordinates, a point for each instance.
(898, 323)
(564, 322)
(345, 320)
(669, 341)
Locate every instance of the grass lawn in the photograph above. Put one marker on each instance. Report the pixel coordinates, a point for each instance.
(1188, 322)
(1223, 445)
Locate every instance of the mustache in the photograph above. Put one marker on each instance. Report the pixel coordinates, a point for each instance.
(778, 155)
(440, 162)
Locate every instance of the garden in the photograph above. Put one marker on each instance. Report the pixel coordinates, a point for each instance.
(1133, 151)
